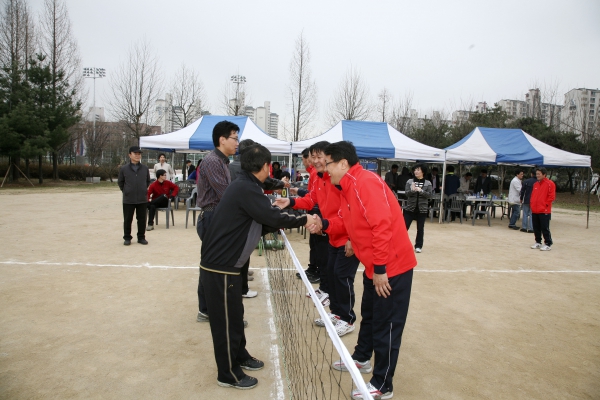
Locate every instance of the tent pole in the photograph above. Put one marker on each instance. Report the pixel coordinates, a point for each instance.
(442, 192)
(589, 190)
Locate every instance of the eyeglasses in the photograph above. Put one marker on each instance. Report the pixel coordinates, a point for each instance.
(237, 139)
(327, 163)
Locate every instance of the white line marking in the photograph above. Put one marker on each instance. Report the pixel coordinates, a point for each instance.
(274, 347)
(417, 270)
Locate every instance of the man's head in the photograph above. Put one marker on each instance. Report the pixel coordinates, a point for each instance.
(188, 162)
(450, 169)
(161, 175)
(256, 160)
(483, 173)
(468, 176)
(532, 173)
(419, 170)
(540, 173)
(135, 154)
(244, 144)
(276, 166)
(434, 171)
(225, 137)
(394, 168)
(162, 158)
(519, 173)
(306, 160)
(317, 153)
(339, 158)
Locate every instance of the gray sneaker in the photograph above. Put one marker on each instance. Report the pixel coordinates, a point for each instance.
(202, 317)
(150, 228)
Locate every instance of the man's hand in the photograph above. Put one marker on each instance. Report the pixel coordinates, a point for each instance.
(294, 191)
(314, 223)
(349, 249)
(282, 202)
(382, 286)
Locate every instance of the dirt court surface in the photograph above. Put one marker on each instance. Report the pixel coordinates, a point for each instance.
(83, 316)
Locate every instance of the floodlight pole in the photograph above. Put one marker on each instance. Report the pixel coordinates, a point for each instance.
(94, 73)
(237, 79)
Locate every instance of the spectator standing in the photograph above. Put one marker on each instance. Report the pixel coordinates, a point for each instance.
(402, 179)
(436, 181)
(451, 186)
(162, 164)
(418, 192)
(483, 185)
(391, 178)
(514, 198)
(525, 195)
(190, 167)
(542, 196)
(134, 178)
(159, 193)
(465, 182)
(277, 170)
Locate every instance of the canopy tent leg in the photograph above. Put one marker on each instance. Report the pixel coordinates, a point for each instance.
(441, 219)
(589, 190)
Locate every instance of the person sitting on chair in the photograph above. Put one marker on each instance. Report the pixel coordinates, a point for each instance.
(159, 194)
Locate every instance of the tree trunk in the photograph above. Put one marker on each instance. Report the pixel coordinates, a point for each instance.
(54, 166)
(40, 173)
(15, 172)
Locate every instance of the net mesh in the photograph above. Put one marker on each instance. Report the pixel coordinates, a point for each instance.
(307, 350)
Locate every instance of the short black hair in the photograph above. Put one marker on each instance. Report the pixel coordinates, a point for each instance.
(343, 150)
(305, 153)
(223, 129)
(161, 154)
(421, 166)
(394, 166)
(518, 171)
(543, 170)
(160, 173)
(277, 163)
(286, 174)
(244, 144)
(468, 174)
(188, 161)
(319, 147)
(483, 171)
(450, 168)
(432, 169)
(255, 157)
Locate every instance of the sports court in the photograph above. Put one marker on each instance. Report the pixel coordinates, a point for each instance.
(83, 316)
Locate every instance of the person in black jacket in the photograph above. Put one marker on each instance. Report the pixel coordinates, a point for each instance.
(134, 179)
(483, 183)
(242, 216)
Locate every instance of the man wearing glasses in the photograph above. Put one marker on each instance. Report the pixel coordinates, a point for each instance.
(213, 179)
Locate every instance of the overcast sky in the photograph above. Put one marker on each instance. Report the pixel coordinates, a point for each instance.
(446, 53)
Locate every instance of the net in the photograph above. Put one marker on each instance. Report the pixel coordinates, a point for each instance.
(306, 350)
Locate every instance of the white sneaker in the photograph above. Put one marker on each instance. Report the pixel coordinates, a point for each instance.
(322, 296)
(363, 367)
(545, 248)
(332, 317)
(250, 294)
(377, 395)
(418, 250)
(150, 228)
(536, 246)
(342, 328)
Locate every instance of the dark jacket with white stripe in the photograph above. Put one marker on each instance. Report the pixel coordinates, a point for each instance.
(243, 215)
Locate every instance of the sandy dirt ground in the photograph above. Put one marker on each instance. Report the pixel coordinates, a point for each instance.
(82, 316)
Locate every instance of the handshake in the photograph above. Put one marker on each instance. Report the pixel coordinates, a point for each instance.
(313, 222)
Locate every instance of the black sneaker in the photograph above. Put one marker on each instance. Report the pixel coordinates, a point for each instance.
(142, 241)
(523, 230)
(308, 272)
(247, 382)
(127, 242)
(252, 364)
(313, 278)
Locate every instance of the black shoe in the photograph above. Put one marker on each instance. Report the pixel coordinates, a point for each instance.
(313, 278)
(127, 242)
(513, 227)
(523, 230)
(308, 272)
(247, 382)
(142, 241)
(252, 364)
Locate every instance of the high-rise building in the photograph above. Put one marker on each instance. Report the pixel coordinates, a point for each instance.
(264, 118)
(95, 112)
(532, 107)
(273, 125)
(580, 112)
(514, 108)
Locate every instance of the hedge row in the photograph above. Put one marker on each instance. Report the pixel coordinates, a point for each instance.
(65, 172)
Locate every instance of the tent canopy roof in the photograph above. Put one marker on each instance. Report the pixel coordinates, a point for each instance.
(511, 147)
(197, 136)
(375, 140)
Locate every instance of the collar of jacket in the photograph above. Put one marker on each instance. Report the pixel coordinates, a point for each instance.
(222, 156)
(251, 177)
(320, 174)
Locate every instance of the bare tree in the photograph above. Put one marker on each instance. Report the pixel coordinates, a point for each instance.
(302, 92)
(351, 101)
(135, 87)
(60, 48)
(384, 104)
(401, 118)
(188, 97)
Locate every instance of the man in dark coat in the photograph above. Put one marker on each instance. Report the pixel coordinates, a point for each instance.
(134, 179)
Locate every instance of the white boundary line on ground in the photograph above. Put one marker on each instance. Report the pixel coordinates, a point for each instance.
(280, 394)
(444, 271)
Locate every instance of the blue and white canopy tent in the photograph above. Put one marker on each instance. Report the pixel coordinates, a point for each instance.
(197, 137)
(496, 146)
(375, 140)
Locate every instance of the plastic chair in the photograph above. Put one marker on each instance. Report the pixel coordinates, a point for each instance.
(186, 189)
(455, 204)
(486, 211)
(188, 208)
(168, 209)
(435, 206)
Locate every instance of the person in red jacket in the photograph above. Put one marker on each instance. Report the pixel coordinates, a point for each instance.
(159, 193)
(542, 196)
(373, 219)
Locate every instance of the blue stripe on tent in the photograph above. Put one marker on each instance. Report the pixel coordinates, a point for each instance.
(371, 139)
(202, 138)
(511, 146)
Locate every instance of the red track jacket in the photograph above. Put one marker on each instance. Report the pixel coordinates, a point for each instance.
(542, 196)
(373, 219)
(167, 188)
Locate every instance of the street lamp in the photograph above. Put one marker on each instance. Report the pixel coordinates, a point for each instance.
(94, 73)
(238, 80)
